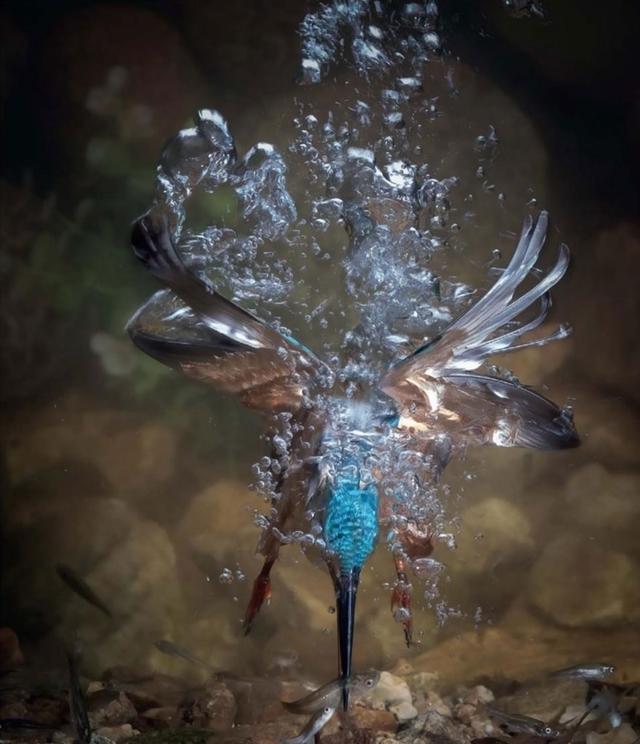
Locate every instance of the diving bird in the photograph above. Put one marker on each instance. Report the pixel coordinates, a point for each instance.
(340, 446)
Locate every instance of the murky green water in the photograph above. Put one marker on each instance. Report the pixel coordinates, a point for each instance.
(139, 479)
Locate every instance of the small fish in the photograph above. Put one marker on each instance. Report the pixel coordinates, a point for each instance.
(77, 702)
(172, 649)
(524, 724)
(585, 671)
(81, 588)
(329, 695)
(316, 723)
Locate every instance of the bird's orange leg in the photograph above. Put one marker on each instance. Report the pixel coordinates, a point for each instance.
(401, 599)
(415, 542)
(260, 593)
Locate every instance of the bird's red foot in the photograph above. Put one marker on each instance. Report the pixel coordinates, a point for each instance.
(401, 608)
(260, 594)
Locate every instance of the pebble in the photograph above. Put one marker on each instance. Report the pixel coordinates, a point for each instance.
(404, 711)
(117, 733)
(392, 693)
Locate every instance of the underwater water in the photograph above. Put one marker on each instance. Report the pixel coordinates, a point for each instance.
(356, 175)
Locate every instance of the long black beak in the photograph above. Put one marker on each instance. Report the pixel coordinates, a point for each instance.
(346, 591)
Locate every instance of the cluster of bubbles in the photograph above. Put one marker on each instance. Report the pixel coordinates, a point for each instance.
(374, 35)
(376, 214)
(203, 159)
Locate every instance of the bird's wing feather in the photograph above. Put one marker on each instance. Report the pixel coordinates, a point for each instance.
(436, 388)
(192, 328)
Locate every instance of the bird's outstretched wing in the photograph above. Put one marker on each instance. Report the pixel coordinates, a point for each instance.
(190, 327)
(439, 393)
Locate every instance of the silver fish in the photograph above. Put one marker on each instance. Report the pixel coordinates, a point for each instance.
(524, 724)
(172, 649)
(329, 695)
(585, 671)
(316, 723)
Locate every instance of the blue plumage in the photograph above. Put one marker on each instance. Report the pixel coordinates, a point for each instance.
(351, 524)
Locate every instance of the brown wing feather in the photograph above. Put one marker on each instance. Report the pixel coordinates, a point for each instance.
(194, 329)
(436, 390)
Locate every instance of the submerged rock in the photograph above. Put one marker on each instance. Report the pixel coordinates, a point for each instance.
(213, 707)
(545, 699)
(605, 502)
(494, 531)
(577, 583)
(110, 708)
(528, 649)
(117, 733)
(393, 694)
(129, 561)
(134, 456)
(374, 720)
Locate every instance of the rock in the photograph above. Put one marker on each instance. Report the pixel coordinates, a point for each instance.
(213, 708)
(625, 734)
(545, 699)
(478, 695)
(258, 700)
(577, 583)
(110, 708)
(217, 533)
(14, 709)
(135, 457)
(495, 531)
(154, 691)
(403, 711)
(392, 693)
(605, 503)
(266, 733)
(49, 711)
(417, 681)
(128, 560)
(527, 650)
(117, 733)
(433, 726)
(433, 702)
(227, 503)
(166, 716)
(374, 720)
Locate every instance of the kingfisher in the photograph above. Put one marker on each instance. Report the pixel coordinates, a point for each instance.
(341, 447)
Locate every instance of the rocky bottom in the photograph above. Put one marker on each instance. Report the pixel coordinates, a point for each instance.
(406, 707)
